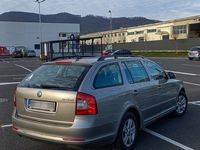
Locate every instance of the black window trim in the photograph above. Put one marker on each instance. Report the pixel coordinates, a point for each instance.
(166, 77)
(110, 85)
(149, 79)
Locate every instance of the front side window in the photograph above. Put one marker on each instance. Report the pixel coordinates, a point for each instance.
(135, 72)
(155, 71)
(108, 76)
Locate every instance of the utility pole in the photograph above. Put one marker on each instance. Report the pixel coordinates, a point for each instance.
(40, 21)
(110, 12)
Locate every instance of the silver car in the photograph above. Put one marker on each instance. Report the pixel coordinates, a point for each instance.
(95, 100)
(194, 53)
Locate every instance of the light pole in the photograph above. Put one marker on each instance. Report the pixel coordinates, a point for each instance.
(40, 21)
(110, 12)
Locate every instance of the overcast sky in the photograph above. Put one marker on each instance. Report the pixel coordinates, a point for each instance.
(152, 9)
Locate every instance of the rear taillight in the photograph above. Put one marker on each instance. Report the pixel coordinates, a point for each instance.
(85, 104)
(14, 99)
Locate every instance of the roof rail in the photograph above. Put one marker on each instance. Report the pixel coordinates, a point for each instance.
(103, 57)
(77, 57)
(116, 57)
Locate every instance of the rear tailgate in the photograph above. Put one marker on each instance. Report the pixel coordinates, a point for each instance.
(44, 105)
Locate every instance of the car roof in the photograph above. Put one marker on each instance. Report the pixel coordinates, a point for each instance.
(94, 60)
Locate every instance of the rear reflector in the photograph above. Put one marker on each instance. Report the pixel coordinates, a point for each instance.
(14, 128)
(14, 99)
(85, 104)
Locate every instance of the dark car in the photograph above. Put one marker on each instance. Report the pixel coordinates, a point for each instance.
(120, 52)
(20, 51)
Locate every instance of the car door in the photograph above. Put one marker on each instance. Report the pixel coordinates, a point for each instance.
(166, 88)
(143, 91)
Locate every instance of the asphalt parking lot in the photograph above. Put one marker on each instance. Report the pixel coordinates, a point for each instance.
(165, 134)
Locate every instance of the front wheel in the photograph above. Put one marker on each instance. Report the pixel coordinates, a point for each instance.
(181, 104)
(127, 132)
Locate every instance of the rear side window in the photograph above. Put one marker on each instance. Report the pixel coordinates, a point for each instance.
(108, 76)
(135, 72)
(156, 71)
(59, 77)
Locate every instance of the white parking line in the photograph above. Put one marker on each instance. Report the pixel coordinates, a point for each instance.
(190, 83)
(167, 139)
(6, 126)
(184, 73)
(23, 67)
(195, 103)
(9, 83)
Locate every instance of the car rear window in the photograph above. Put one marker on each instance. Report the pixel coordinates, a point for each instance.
(59, 77)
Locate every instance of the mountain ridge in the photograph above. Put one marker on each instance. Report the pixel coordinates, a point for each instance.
(89, 23)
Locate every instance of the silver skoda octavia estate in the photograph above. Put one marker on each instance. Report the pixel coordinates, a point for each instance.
(95, 100)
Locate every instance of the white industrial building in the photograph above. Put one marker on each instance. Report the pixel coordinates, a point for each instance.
(28, 34)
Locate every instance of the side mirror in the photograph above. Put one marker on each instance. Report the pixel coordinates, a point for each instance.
(171, 75)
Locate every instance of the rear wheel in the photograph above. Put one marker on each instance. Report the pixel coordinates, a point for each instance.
(127, 132)
(181, 104)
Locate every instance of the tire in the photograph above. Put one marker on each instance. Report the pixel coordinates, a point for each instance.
(181, 104)
(127, 133)
(190, 58)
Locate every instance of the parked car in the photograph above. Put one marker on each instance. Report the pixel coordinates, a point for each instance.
(106, 52)
(95, 100)
(30, 53)
(120, 52)
(194, 53)
(20, 51)
(4, 52)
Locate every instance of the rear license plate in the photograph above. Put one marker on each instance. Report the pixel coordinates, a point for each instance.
(41, 105)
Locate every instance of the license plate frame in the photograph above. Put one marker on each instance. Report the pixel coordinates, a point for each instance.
(41, 106)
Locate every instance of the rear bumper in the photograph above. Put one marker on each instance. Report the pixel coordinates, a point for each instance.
(73, 135)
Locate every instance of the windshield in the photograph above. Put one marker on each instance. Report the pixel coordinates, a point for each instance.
(195, 49)
(60, 77)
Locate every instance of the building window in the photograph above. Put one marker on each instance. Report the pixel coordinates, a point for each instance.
(123, 34)
(180, 29)
(131, 33)
(151, 30)
(37, 46)
(62, 34)
(141, 39)
(139, 32)
(119, 34)
(115, 34)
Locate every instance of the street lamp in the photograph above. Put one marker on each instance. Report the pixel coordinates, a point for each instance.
(40, 21)
(110, 12)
